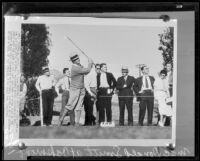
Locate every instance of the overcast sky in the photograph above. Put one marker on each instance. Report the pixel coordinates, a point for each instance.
(115, 45)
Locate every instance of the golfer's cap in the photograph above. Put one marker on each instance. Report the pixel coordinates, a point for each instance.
(73, 56)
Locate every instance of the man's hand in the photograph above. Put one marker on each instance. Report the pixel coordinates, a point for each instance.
(141, 91)
(124, 86)
(90, 60)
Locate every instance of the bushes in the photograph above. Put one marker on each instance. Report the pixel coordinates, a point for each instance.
(32, 106)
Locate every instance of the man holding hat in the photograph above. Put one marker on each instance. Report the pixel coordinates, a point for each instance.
(77, 89)
(125, 86)
(45, 85)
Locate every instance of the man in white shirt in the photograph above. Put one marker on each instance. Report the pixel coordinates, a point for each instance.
(106, 84)
(144, 91)
(90, 97)
(62, 86)
(45, 84)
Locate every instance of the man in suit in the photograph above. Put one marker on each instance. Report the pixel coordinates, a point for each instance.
(98, 71)
(125, 86)
(144, 91)
(170, 83)
(106, 84)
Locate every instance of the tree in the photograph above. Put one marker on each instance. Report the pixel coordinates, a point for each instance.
(34, 52)
(166, 45)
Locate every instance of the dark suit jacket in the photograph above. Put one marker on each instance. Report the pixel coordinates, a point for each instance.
(127, 91)
(110, 79)
(138, 85)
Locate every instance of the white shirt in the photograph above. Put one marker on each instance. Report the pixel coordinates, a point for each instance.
(161, 84)
(23, 91)
(103, 80)
(144, 84)
(90, 81)
(125, 78)
(64, 83)
(169, 77)
(161, 88)
(45, 82)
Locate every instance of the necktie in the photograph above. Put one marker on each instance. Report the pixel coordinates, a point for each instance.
(146, 83)
(124, 80)
(68, 82)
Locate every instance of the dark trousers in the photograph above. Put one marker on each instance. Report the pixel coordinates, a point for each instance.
(47, 102)
(104, 105)
(168, 119)
(129, 105)
(88, 106)
(146, 102)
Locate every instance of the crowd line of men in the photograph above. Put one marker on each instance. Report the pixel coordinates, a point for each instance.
(82, 88)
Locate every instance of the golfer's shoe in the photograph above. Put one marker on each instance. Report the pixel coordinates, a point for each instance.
(59, 123)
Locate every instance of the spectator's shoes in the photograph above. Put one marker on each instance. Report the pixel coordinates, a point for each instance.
(161, 124)
(107, 124)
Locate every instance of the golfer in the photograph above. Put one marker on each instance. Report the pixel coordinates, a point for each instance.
(77, 89)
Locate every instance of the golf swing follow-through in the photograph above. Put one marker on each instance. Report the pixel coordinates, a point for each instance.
(77, 88)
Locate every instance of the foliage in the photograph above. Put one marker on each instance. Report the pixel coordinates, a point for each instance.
(34, 52)
(34, 48)
(166, 45)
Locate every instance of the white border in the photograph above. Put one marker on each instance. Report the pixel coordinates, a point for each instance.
(18, 20)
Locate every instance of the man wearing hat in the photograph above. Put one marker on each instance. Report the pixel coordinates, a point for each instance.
(45, 85)
(77, 89)
(125, 86)
(144, 90)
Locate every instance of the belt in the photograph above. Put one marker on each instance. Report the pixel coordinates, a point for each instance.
(47, 89)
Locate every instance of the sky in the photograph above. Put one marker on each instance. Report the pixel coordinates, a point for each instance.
(116, 46)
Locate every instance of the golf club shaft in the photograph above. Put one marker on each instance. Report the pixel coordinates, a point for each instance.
(77, 47)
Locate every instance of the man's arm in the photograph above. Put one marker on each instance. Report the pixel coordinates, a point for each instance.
(114, 83)
(37, 85)
(87, 85)
(81, 70)
(119, 84)
(58, 84)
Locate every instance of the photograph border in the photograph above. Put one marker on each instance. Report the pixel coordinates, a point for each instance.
(18, 20)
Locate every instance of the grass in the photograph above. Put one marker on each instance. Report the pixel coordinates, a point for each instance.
(96, 132)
